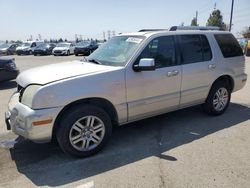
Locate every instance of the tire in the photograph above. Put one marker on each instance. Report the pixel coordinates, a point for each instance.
(214, 104)
(90, 52)
(69, 130)
(76, 54)
(30, 52)
(35, 54)
(68, 53)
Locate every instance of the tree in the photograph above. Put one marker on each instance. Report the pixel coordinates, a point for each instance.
(246, 33)
(216, 19)
(60, 40)
(194, 22)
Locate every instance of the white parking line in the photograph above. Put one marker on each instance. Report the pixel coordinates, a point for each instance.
(86, 185)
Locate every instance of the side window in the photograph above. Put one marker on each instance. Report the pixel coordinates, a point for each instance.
(229, 46)
(207, 53)
(191, 48)
(162, 49)
(33, 45)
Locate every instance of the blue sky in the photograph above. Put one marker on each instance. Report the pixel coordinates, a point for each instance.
(65, 18)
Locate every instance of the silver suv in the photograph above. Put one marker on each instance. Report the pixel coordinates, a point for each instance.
(129, 78)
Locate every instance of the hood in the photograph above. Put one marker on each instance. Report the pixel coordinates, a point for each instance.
(3, 49)
(61, 48)
(54, 72)
(41, 48)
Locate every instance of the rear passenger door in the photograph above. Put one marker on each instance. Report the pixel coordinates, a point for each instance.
(197, 68)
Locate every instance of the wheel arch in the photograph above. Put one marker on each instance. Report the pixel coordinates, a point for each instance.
(105, 104)
(225, 78)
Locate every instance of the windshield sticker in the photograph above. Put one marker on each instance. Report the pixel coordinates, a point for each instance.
(134, 40)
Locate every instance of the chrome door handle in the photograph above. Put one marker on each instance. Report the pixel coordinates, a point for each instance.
(172, 73)
(211, 66)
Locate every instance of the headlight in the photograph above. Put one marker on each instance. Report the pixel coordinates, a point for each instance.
(28, 94)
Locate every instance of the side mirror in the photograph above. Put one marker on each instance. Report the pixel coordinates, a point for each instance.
(145, 64)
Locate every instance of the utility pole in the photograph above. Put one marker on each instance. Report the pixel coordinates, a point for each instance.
(196, 18)
(231, 17)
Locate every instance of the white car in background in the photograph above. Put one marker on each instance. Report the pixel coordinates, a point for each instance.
(64, 48)
(28, 47)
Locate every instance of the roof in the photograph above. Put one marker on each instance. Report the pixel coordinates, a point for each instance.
(155, 32)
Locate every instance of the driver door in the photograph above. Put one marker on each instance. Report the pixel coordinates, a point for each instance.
(154, 92)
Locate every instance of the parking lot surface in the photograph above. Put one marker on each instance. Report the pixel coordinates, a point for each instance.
(186, 148)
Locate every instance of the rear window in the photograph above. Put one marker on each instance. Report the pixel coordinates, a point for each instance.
(229, 46)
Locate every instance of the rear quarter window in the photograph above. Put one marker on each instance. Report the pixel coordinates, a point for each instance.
(229, 46)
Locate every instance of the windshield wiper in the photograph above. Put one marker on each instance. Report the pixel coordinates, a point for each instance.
(94, 61)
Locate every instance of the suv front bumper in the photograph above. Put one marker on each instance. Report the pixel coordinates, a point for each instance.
(29, 123)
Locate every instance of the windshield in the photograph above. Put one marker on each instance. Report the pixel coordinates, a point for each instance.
(42, 45)
(5, 45)
(26, 44)
(117, 51)
(63, 45)
(83, 44)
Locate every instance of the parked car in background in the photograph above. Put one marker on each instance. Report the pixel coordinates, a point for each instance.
(63, 48)
(8, 69)
(85, 47)
(28, 47)
(8, 49)
(129, 78)
(247, 48)
(44, 49)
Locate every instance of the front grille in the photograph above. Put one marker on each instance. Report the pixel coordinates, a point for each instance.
(57, 51)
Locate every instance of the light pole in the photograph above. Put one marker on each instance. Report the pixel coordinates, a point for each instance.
(231, 17)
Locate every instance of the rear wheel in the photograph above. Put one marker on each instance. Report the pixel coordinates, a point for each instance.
(84, 130)
(68, 53)
(218, 99)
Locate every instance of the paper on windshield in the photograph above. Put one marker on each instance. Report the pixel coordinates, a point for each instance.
(134, 40)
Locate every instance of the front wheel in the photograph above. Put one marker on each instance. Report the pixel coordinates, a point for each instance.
(84, 130)
(218, 99)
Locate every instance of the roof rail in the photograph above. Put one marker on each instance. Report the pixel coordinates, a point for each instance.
(175, 28)
(148, 30)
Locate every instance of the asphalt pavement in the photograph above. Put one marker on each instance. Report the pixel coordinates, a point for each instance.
(186, 148)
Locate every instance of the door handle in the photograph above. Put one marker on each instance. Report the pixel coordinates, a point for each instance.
(172, 73)
(211, 66)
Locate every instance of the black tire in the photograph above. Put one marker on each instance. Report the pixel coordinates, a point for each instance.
(30, 52)
(35, 54)
(208, 106)
(76, 54)
(68, 53)
(70, 118)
